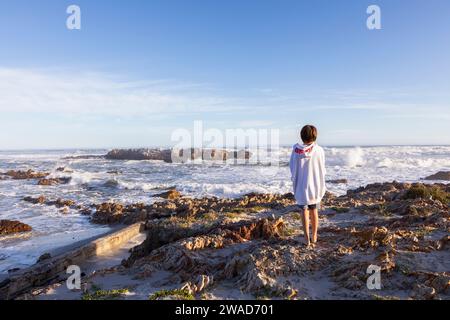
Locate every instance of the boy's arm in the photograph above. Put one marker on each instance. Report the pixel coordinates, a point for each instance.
(292, 166)
(324, 170)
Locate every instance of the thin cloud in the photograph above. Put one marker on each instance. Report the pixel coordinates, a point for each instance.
(93, 93)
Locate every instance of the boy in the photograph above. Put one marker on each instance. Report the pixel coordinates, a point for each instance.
(307, 166)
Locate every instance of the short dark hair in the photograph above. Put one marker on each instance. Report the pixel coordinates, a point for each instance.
(308, 133)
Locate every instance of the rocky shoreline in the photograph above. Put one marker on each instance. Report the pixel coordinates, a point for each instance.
(252, 246)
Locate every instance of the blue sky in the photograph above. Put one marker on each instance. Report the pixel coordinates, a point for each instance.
(138, 70)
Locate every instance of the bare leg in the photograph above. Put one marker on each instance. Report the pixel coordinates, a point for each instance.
(314, 223)
(305, 220)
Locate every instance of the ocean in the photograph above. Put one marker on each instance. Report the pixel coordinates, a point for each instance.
(95, 180)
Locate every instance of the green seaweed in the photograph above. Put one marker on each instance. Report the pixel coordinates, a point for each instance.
(181, 293)
(104, 294)
(426, 192)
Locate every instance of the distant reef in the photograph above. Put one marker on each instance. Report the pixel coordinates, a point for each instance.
(441, 175)
(177, 155)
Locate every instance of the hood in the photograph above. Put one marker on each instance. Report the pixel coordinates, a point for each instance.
(303, 150)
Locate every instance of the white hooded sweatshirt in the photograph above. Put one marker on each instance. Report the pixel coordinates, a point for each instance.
(307, 166)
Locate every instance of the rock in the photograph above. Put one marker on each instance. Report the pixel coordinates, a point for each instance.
(13, 270)
(12, 226)
(198, 285)
(374, 237)
(111, 183)
(53, 181)
(64, 203)
(114, 172)
(441, 283)
(171, 195)
(108, 213)
(343, 250)
(337, 181)
(23, 175)
(194, 242)
(177, 155)
(86, 211)
(441, 175)
(139, 154)
(423, 292)
(38, 200)
(111, 213)
(44, 257)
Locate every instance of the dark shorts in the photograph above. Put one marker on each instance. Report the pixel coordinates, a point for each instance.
(309, 206)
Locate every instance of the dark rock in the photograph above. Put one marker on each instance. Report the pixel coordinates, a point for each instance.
(53, 181)
(38, 200)
(23, 175)
(171, 194)
(139, 154)
(86, 211)
(107, 213)
(177, 155)
(111, 183)
(43, 257)
(114, 172)
(337, 181)
(13, 270)
(441, 175)
(12, 226)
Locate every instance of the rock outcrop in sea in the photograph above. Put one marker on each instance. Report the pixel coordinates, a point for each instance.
(177, 155)
(23, 175)
(441, 175)
(11, 226)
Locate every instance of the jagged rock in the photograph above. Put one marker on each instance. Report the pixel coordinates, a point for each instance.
(198, 285)
(441, 283)
(337, 181)
(442, 243)
(176, 155)
(343, 250)
(385, 261)
(139, 154)
(114, 172)
(111, 213)
(441, 175)
(53, 181)
(44, 257)
(374, 237)
(108, 213)
(38, 200)
(111, 183)
(423, 292)
(264, 229)
(22, 175)
(12, 226)
(171, 195)
(193, 242)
